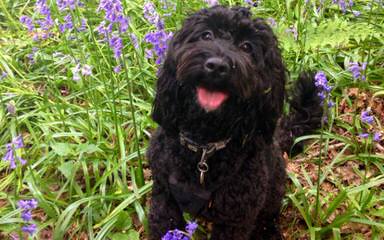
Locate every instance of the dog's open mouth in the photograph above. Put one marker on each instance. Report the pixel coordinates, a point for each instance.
(210, 100)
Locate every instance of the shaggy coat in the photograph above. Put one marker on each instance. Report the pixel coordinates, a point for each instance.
(224, 52)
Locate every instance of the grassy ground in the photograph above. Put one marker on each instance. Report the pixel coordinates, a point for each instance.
(85, 127)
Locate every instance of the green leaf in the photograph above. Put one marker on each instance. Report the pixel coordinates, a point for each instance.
(62, 149)
(131, 235)
(67, 168)
(124, 221)
(88, 148)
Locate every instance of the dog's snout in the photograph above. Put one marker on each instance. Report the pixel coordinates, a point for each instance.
(215, 65)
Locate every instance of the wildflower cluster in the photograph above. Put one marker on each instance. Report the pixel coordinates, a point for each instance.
(114, 16)
(343, 6)
(11, 155)
(368, 119)
(85, 70)
(27, 206)
(68, 4)
(321, 83)
(159, 38)
(46, 23)
(357, 70)
(181, 235)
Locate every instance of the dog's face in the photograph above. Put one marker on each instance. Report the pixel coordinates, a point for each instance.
(220, 65)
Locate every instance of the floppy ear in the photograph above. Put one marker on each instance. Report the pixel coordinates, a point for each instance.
(273, 75)
(165, 108)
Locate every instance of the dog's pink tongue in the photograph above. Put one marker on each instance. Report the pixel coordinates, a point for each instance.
(210, 100)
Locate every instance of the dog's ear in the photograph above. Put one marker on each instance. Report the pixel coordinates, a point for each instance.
(274, 75)
(164, 110)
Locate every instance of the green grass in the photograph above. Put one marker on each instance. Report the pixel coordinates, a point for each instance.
(85, 140)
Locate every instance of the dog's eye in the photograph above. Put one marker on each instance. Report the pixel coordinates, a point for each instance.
(246, 47)
(207, 35)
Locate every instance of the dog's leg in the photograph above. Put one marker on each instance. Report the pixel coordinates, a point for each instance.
(266, 225)
(164, 213)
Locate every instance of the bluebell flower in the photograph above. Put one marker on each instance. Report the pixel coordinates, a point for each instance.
(180, 235)
(28, 204)
(10, 154)
(30, 229)
(357, 70)
(377, 136)
(159, 41)
(117, 69)
(134, 40)
(364, 135)
(366, 118)
(26, 215)
(191, 227)
(68, 4)
(86, 70)
(75, 72)
(27, 21)
(83, 25)
(151, 14)
(116, 43)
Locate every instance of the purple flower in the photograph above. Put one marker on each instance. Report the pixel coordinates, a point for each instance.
(3, 75)
(27, 21)
(83, 25)
(357, 70)
(159, 40)
(68, 23)
(42, 8)
(342, 6)
(151, 15)
(272, 22)
(251, 2)
(123, 23)
(11, 108)
(321, 82)
(116, 43)
(70, 4)
(10, 154)
(366, 118)
(28, 204)
(86, 70)
(149, 53)
(175, 235)
(356, 13)
(26, 215)
(30, 229)
(364, 135)
(134, 40)
(212, 2)
(104, 30)
(191, 227)
(117, 69)
(47, 23)
(376, 137)
(75, 72)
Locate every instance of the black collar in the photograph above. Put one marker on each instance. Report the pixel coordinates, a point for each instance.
(207, 150)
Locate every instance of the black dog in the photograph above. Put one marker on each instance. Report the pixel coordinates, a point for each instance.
(220, 96)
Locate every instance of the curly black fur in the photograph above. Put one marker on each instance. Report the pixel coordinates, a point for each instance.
(244, 185)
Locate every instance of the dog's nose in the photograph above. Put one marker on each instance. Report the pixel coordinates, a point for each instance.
(215, 65)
